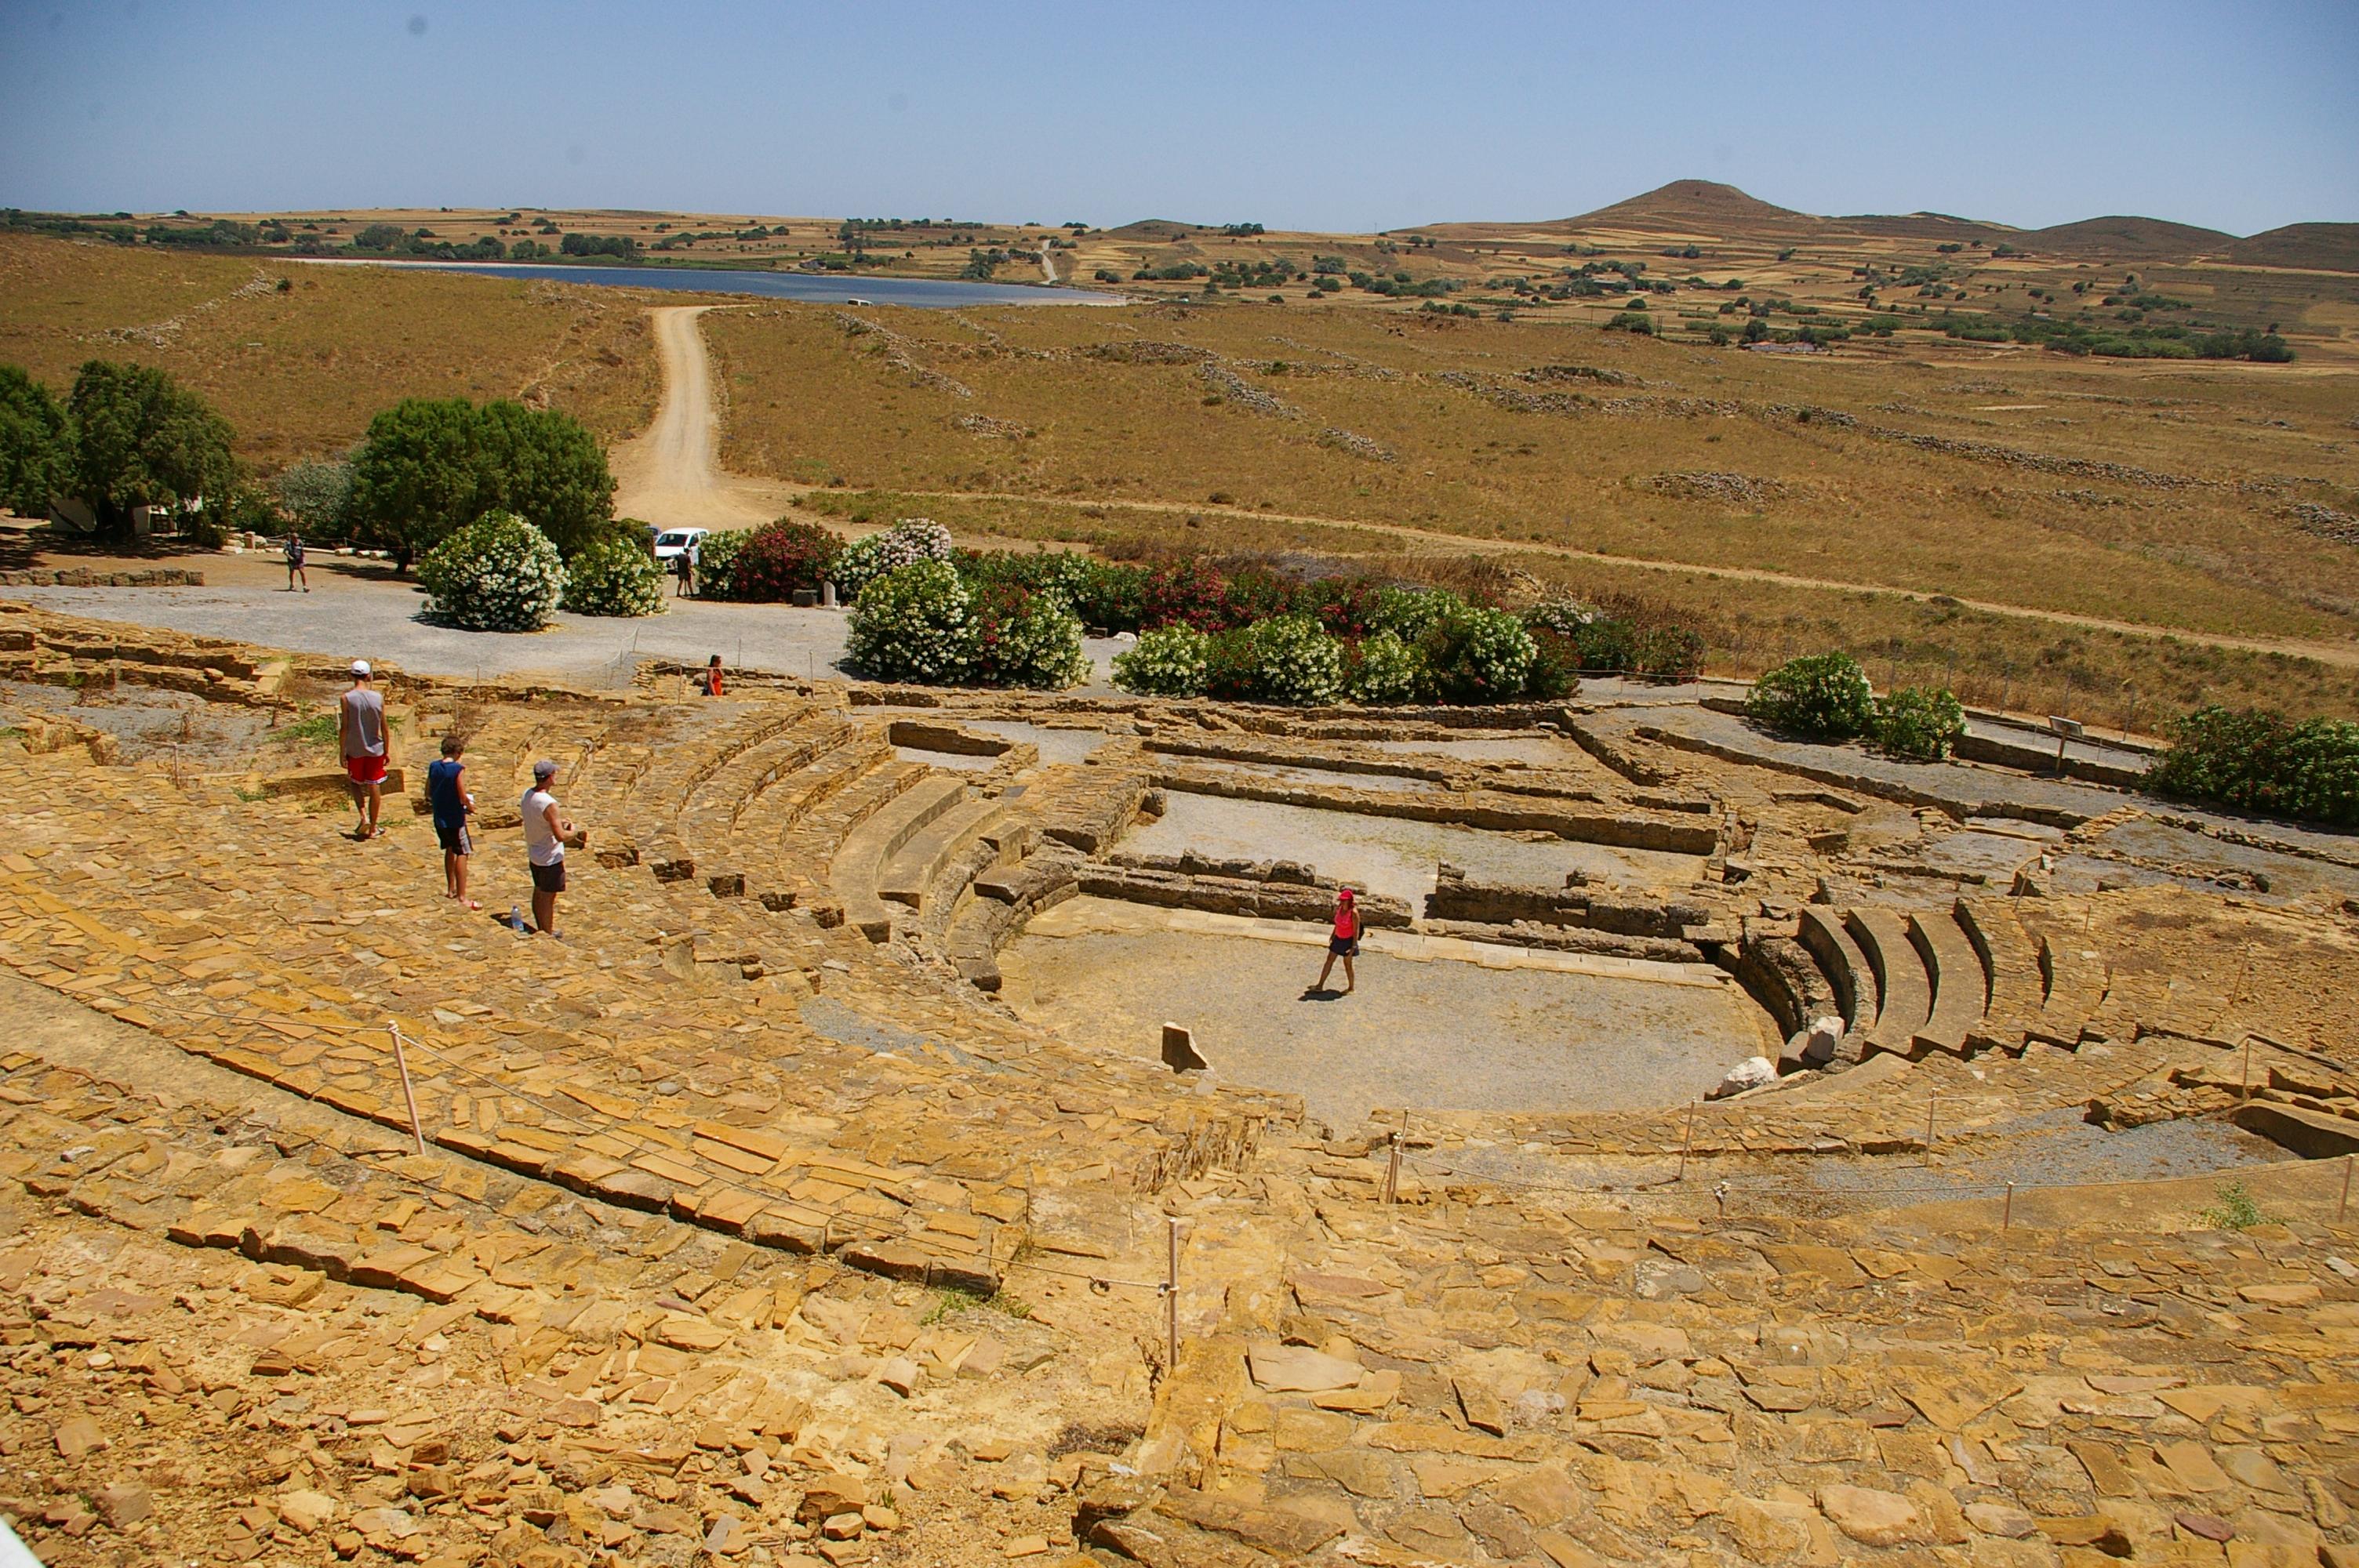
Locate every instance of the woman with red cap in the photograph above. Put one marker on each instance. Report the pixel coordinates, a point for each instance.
(1344, 943)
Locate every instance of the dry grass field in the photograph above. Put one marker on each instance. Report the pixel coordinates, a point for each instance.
(2154, 494)
(301, 371)
(1988, 513)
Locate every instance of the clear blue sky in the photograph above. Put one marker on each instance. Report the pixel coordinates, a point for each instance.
(1380, 114)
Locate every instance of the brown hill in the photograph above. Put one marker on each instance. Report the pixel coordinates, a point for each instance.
(1936, 226)
(2123, 239)
(1686, 206)
(2330, 247)
(1151, 229)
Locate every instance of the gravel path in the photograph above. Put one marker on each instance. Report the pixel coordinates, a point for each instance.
(379, 621)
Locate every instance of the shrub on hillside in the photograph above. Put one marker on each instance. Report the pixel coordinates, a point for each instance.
(614, 577)
(1284, 659)
(1384, 670)
(2256, 760)
(1920, 723)
(1821, 697)
(1473, 655)
(1667, 653)
(1167, 661)
(912, 624)
(777, 559)
(1555, 669)
(1024, 636)
(499, 573)
(871, 556)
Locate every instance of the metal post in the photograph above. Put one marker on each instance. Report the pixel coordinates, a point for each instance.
(1929, 1100)
(408, 1095)
(2345, 1205)
(2245, 1092)
(1392, 1168)
(1171, 1302)
(1688, 1142)
(2007, 1215)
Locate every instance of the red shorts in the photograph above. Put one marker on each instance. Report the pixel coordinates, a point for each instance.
(365, 770)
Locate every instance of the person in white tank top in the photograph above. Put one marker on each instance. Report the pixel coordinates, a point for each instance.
(545, 833)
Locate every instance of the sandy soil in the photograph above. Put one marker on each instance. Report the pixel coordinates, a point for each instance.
(669, 475)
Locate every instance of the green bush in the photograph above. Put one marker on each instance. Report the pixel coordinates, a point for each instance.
(1384, 670)
(716, 562)
(1555, 670)
(2255, 759)
(914, 624)
(1474, 655)
(499, 573)
(1920, 721)
(1024, 636)
(1408, 612)
(614, 577)
(1284, 659)
(871, 556)
(1668, 653)
(1167, 661)
(1821, 697)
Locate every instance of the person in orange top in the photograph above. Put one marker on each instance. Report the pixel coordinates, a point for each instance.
(1344, 943)
(709, 683)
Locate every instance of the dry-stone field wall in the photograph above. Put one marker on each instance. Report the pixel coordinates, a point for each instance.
(746, 1222)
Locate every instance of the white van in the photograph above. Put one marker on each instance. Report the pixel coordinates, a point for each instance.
(671, 542)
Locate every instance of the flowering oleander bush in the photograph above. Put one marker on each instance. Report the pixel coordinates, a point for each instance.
(1920, 721)
(1188, 592)
(2256, 760)
(1555, 670)
(614, 577)
(769, 564)
(871, 556)
(1565, 617)
(1283, 659)
(1474, 655)
(499, 573)
(1384, 670)
(1821, 697)
(1167, 661)
(1408, 612)
(716, 562)
(1603, 644)
(1024, 636)
(914, 624)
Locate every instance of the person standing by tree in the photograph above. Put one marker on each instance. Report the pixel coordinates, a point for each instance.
(545, 833)
(295, 561)
(360, 737)
(448, 797)
(682, 565)
(1344, 941)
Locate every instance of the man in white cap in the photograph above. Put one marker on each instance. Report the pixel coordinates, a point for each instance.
(545, 833)
(360, 737)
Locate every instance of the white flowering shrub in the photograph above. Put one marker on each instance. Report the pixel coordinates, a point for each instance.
(1565, 617)
(870, 556)
(614, 577)
(1474, 654)
(914, 624)
(1408, 612)
(1167, 661)
(1024, 637)
(1385, 670)
(1287, 658)
(499, 573)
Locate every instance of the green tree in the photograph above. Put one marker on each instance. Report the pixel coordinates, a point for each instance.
(430, 466)
(318, 495)
(139, 438)
(547, 466)
(379, 237)
(418, 476)
(33, 449)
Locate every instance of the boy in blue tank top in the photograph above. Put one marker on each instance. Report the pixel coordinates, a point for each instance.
(446, 795)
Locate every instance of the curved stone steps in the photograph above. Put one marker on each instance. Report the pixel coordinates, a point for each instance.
(1961, 989)
(732, 862)
(1901, 981)
(860, 862)
(1856, 989)
(2011, 960)
(2076, 988)
(909, 876)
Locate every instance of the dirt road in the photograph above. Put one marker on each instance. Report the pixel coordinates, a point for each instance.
(669, 476)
